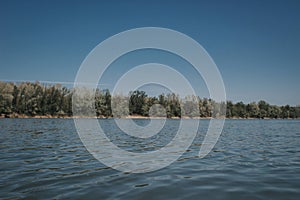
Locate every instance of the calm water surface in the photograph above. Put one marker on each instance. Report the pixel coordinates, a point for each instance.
(253, 159)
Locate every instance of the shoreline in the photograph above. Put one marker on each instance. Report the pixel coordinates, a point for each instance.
(18, 116)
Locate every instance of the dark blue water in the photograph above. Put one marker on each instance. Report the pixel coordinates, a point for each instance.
(253, 159)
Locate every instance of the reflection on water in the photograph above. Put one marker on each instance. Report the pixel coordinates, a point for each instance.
(253, 159)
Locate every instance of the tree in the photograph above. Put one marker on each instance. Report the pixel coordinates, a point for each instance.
(263, 109)
(285, 112)
(253, 110)
(136, 102)
(190, 106)
(173, 105)
(229, 109)
(207, 108)
(274, 112)
(120, 106)
(239, 110)
(6, 97)
(36, 99)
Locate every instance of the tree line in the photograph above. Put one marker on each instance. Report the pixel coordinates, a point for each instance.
(36, 99)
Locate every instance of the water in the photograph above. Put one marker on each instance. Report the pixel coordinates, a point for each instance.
(253, 159)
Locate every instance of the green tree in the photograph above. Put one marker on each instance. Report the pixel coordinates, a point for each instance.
(136, 102)
(253, 110)
(229, 109)
(263, 109)
(285, 112)
(6, 97)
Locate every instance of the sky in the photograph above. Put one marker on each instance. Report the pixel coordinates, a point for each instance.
(255, 44)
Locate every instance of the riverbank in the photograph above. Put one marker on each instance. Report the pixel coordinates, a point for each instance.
(22, 116)
(88, 117)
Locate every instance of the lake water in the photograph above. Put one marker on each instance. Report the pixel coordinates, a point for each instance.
(253, 159)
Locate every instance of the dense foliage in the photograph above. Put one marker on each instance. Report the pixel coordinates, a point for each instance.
(33, 99)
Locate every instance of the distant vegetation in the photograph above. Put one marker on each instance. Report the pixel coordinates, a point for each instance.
(35, 99)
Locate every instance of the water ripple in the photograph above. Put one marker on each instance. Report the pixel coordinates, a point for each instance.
(253, 159)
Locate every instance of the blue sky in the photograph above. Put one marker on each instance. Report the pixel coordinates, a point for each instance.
(255, 44)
